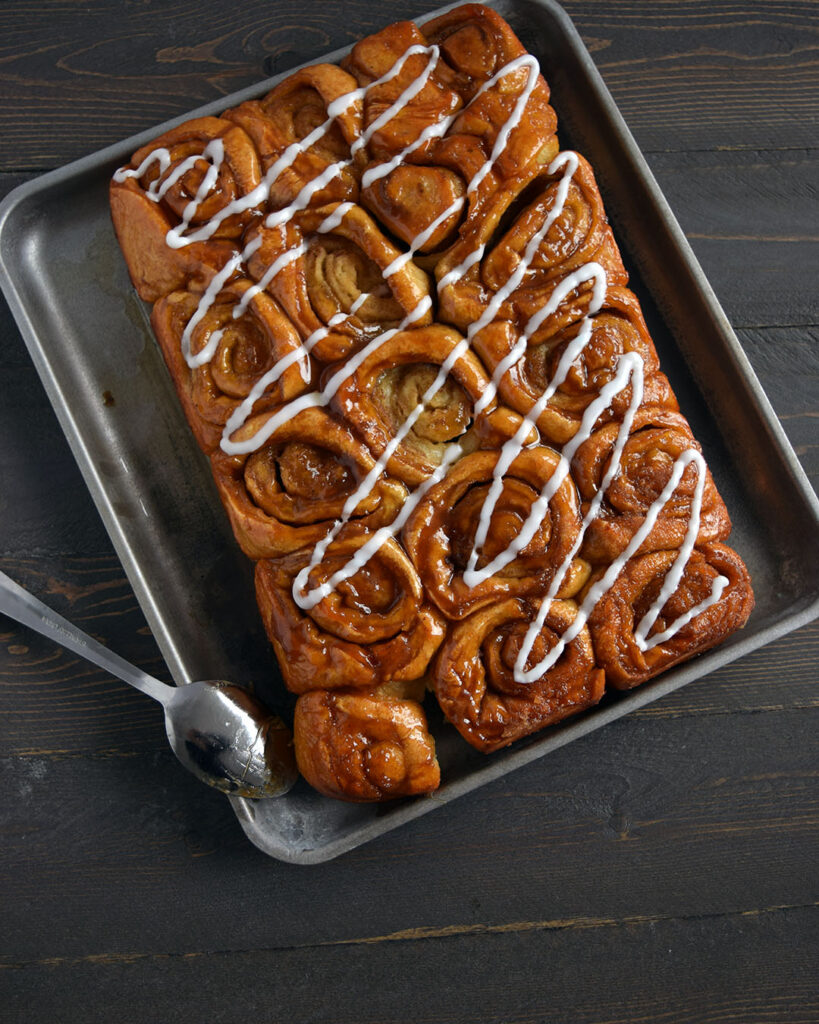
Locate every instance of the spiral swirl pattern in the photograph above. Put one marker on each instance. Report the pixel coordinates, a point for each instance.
(474, 676)
(614, 620)
(399, 325)
(373, 627)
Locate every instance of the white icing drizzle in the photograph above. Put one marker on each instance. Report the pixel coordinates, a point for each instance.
(215, 152)
(280, 218)
(525, 61)
(607, 580)
(629, 366)
(287, 257)
(568, 161)
(406, 96)
(308, 600)
(455, 275)
(320, 399)
(674, 575)
(216, 285)
(717, 589)
(334, 219)
(589, 272)
(161, 155)
(434, 131)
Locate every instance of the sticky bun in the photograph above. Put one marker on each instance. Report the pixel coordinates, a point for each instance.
(401, 329)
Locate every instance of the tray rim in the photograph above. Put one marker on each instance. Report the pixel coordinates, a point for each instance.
(804, 610)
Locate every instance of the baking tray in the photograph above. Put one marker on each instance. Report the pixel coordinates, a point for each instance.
(90, 340)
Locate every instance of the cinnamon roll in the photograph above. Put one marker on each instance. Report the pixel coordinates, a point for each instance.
(423, 206)
(440, 535)
(406, 114)
(384, 450)
(217, 363)
(405, 95)
(393, 387)
(475, 43)
(172, 204)
(561, 229)
(480, 132)
(326, 268)
(357, 746)
(658, 437)
(617, 328)
(479, 49)
(448, 133)
(372, 626)
(578, 233)
(494, 181)
(712, 571)
(295, 482)
(475, 673)
(298, 110)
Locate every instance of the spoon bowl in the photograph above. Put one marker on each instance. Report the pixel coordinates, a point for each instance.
(219, 731)
(227, 738)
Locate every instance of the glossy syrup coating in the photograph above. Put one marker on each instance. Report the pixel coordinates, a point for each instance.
(373, 627)
(399, 325)
(287, 116)
(244, 349)
(613, 621)
(354, 746)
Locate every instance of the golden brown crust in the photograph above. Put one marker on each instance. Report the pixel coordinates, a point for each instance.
(475, 43)
(370, 60)
(619, 612)
(474, 674)
(141, 227)
(437, 296)
(354, 746)
(375, 626)
(146, 207)
(288, 493)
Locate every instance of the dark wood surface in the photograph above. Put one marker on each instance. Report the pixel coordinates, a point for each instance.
(660, 870)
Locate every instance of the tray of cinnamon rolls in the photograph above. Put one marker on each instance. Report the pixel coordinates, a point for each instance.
(449, 419)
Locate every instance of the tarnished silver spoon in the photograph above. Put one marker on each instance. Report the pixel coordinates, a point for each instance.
(220, 732)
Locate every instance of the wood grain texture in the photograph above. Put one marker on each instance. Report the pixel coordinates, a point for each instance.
(647, 821)
(701, 969)
(660, 870)
(686, 75)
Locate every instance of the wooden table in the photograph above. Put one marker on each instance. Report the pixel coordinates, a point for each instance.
(660, 870)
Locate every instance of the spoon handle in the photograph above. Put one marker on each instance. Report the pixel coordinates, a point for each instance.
(22, 606)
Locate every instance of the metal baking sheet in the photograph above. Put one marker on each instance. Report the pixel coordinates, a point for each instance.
(89, 338)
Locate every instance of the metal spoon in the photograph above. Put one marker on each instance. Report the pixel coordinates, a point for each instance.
(219, 731)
